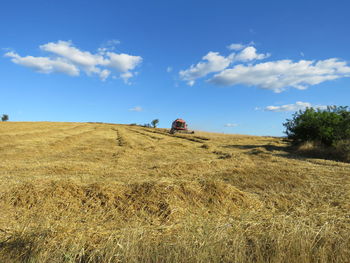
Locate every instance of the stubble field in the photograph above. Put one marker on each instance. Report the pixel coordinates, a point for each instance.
(90, 192)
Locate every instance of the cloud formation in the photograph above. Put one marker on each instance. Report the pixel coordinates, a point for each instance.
(44, 64)
(281, 74)
(244, 68)
(214, 62)
(126, 76)
(249, 54)
(230, 125)
(68, 59)
(136, 108)
(236, 46)
(299, 105)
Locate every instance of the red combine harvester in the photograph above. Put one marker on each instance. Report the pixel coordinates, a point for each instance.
(179, 125)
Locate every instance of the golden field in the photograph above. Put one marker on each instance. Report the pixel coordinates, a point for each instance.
(91, 192)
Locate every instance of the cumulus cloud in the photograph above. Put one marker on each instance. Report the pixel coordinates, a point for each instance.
(136, 108)
(123, 62)
(230, 125)
(299, 105)
(126, 76)
(68, 59)
(80, 58)
(278, 75)
(243, 68)
(104, 74)
(44, 65)
(213, 62)
(249, 54)
(236, 46)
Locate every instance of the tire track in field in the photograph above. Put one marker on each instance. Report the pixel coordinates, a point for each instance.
(140, 140)
(120, 139)
(125, 147)
(70, 140)
(174, 152)
(198, 139)
(147, 135)
(192, 139)
(134, 149)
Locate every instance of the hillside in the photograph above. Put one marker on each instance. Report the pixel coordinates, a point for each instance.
(88, 192)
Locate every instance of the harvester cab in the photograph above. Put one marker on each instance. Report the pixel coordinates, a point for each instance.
(179, 125)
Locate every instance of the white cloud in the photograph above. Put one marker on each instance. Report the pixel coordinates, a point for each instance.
(70, 60)
(213, 63)
(123, 62)
(191, 83)
(230, 125)
(299, 105)
(136, 108)
(126, 76)
(242, 68)
(104, 74)
(169, 69)
(80, 58)
(280, 74)
(249, 54)
(44, 65)
(237, 46)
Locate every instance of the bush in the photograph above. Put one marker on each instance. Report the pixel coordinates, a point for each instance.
(5, 117)
(325, 126)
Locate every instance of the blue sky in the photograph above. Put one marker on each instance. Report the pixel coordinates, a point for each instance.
(224, 66)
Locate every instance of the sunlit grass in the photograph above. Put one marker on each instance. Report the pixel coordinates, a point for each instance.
(76, 192)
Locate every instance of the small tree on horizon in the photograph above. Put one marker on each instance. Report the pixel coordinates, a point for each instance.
(5, 117)
(155, 123)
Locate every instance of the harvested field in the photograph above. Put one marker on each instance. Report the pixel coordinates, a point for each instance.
(90, 192)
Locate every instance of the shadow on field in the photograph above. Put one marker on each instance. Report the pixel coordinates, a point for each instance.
(286, 151)
(267, 147)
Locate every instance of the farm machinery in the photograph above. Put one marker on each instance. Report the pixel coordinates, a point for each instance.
(180, 126)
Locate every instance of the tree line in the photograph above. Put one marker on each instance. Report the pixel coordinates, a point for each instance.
(326, 131)
(153, 124)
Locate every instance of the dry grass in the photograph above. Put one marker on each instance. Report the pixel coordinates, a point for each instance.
(340, 151)
(89, 192)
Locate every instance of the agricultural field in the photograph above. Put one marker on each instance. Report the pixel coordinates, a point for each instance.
(92, 192)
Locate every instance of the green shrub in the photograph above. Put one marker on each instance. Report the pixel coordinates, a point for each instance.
(327, 126)
(5, 117)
